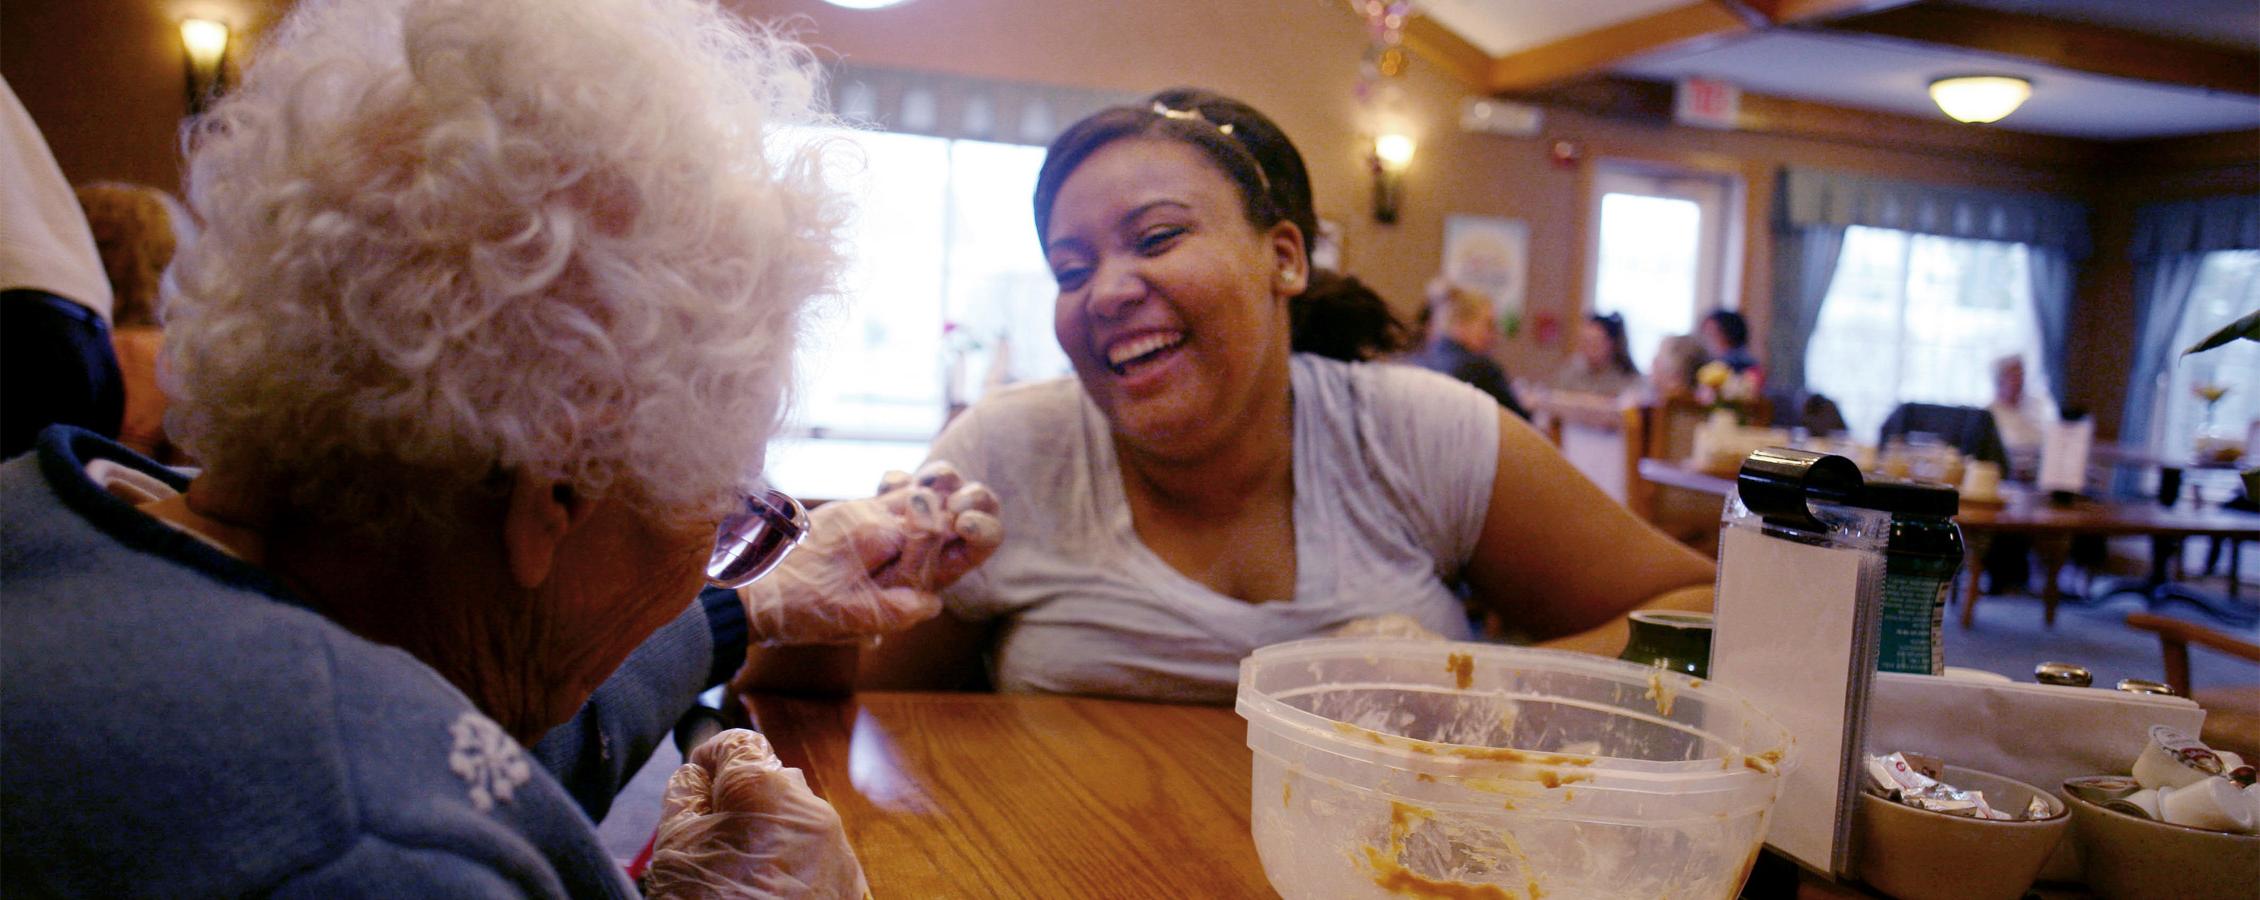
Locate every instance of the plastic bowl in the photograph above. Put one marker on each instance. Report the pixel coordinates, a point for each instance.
(1917, 854)
(1433, 768)
(2131, 858)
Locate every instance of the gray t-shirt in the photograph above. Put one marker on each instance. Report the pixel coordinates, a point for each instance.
(1393, 469)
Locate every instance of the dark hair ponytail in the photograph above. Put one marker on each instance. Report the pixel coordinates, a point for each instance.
(1339, 317)
(1620, 351)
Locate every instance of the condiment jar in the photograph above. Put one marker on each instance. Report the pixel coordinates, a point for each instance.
(1679, 641)
(1920, 561)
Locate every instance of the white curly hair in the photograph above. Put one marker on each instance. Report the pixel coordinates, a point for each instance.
(446, 239)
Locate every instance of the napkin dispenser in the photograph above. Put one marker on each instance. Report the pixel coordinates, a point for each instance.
(1798, 605)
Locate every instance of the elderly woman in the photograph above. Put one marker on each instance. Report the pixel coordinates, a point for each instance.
(481, 345)
(1204, 486)
(135, 230)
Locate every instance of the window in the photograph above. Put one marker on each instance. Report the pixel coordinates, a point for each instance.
(1912, 318)
(2227, 287)
(1660, 252)
(946, 294)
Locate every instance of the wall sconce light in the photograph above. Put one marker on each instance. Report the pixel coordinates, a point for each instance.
(1979, 99)
(205, 43)
(1392, 155)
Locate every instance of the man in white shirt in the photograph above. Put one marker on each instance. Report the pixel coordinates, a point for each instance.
(2020, 417)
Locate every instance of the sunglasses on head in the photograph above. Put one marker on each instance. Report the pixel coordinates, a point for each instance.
(751, 542)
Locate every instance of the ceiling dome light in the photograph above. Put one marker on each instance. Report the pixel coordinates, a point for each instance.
(865, 4)
(1979, 99)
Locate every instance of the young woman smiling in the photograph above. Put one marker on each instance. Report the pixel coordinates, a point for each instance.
(1206, 485)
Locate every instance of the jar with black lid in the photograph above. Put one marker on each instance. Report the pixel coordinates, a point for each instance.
(1920, 561)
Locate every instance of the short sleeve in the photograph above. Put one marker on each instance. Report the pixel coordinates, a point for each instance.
(1435, 445)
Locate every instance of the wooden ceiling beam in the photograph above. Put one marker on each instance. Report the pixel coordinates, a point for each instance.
(1651, 102)
(1791, 12)
(1448, 51)
(2079, 47)
(1595, 52)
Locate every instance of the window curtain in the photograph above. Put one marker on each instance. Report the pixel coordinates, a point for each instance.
(2170, 244)
(1804, 262)
(2053, 229)
(957, 107)
(2050, 271)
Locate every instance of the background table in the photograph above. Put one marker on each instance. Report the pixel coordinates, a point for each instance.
(1001, 795)
(2050, 525)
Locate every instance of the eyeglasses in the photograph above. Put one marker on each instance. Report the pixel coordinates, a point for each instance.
(751, 542)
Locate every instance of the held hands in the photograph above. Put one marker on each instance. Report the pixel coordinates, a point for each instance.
(736, 823)
(874, 567)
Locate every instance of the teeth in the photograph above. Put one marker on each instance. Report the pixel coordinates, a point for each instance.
(1132, 349)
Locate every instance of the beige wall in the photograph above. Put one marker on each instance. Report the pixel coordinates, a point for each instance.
(102, 78)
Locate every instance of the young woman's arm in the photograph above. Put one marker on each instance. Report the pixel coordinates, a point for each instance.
(1563, 562)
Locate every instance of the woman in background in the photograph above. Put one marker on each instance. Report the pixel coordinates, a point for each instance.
(1603, 362)
(1221, 474)
(1672, 374)
(1726, 337)
(136, 230)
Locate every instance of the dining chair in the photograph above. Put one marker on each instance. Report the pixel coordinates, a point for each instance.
(1968, 429)
(2232, 714)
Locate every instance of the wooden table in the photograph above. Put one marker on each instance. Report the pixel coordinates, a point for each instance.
(1016, 795)
(1006, 795)
(2050, 525)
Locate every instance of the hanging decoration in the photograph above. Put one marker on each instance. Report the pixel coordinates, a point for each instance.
(1385, 53)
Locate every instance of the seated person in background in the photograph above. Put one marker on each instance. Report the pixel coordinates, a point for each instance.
(2018, 416)
(1603, 361)
(1462, 329)
(481, 373)
(1726, 337)
(1672, 373)
(136, 231)
(56, 362)
(1203, 487)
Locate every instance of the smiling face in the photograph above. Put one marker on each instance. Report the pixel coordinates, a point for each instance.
(1172, 306)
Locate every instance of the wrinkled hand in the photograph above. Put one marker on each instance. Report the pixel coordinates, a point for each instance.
(874, 567)
(736, 823)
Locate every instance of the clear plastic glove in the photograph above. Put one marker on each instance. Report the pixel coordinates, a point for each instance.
(736, 823)
(874, 567)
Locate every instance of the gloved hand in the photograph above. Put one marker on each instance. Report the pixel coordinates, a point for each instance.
(873, 567)
(736, 823)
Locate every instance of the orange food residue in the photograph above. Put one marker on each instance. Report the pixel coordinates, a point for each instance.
(1462, 667)
(1396, 879)
(1552, 780)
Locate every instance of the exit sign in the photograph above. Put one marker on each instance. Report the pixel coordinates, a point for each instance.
(1705, 103)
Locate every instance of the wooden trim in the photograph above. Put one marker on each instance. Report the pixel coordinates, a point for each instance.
(1448, 51)
(1777, 115)
(2228, 148)
(1594, 52)
(2079, 47)
(1784, 12)
(1651, 101)
(1748, 11)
